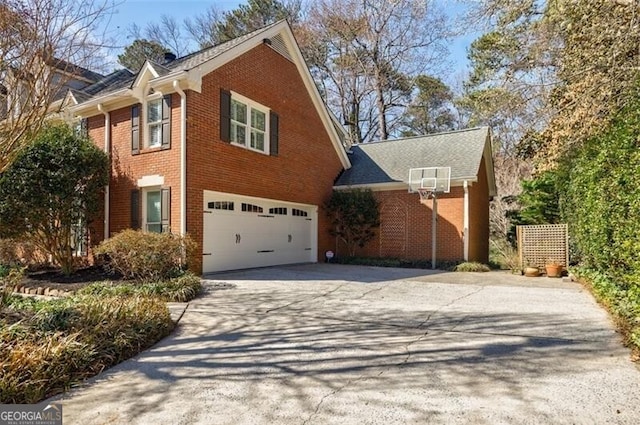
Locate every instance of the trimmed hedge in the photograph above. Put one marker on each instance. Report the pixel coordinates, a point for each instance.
(601, 199)
(135, 254)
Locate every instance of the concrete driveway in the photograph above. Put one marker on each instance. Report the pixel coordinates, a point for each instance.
(332, 344)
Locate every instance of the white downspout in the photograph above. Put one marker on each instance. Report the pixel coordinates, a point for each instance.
(465, 224)
(183, 157)
(107, 150)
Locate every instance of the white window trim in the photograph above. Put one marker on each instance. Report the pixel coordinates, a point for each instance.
(144, 191)
(146, 134)
(266, 111)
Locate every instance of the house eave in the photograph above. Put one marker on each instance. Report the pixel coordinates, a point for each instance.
(379, 187)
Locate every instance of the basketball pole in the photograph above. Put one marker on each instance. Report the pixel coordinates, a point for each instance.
(434, 223)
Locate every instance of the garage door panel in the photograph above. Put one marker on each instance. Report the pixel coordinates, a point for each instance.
(265, 233)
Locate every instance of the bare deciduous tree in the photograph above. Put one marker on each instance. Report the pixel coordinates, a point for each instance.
(42, 45)
(366, 54)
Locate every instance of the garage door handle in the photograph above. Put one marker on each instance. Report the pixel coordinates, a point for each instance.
(290, 238)
(265, 250)
(238, 238)
(206, 253)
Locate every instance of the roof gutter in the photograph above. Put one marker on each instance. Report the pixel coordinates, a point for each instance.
(107, 150)
(102, 99)
(183, 157)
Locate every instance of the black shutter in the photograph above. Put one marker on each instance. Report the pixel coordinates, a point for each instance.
(166, 122)
(84, 127)
(135, 209)
(273, 133)
(165, 209)
(135, 129)
(225, 116)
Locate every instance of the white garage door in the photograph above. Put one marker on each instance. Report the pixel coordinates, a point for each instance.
(242, 232)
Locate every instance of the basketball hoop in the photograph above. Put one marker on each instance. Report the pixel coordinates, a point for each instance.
(428, 182)
(425, 194)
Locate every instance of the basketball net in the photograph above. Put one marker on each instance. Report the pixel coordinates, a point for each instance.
(425, 194)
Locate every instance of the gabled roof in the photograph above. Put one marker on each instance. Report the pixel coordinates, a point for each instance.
(124, 78)
(75, 70)
(389, 161)
(123, 86)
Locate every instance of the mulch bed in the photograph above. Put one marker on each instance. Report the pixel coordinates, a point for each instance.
(54, 279)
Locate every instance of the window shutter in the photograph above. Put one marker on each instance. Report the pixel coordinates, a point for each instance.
(273, 133)
(135, 129)
(166, 122)
(84, 127)
(135, 209)
(165, 209)
(225, 116)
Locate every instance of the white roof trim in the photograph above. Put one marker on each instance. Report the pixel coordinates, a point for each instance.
(194, 78)
(379, 187)
(283, 29)
(487, 154)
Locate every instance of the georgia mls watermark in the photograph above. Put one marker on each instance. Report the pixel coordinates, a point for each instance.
(31, 414)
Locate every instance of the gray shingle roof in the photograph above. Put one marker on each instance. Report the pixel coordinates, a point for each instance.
(124, 78)
(390, 161)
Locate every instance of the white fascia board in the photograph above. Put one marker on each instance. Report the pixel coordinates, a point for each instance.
(379, 187)
(91, 106)
(146, 69)
(321, 107)
(489, 167)
(253, 42)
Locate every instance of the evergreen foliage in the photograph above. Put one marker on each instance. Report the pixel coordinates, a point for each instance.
(52, 190)
(354, 214)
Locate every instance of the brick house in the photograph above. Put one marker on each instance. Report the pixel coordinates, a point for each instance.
(232, 145)
(405, 223)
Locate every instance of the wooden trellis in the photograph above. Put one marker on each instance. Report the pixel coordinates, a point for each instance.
(543, 243)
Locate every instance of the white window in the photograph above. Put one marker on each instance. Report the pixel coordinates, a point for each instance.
(249, 124)
(154, 123)
(156, 210)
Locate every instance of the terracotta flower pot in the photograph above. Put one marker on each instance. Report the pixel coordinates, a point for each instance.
(553, 270)
(531, 272)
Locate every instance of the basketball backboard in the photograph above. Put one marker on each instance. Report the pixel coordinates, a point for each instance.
(434, 179)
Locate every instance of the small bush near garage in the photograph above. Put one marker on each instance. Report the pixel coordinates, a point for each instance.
(48, 346)
(146, 256)
(623, 301)
(179, 289)
(472, 267)
(383, 262)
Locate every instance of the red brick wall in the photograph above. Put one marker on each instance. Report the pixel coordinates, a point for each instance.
(126, 168)
(306, 165)
(95, 127)
(479, 218)
(403, 216)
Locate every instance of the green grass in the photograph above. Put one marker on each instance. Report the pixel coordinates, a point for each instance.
(623, 302)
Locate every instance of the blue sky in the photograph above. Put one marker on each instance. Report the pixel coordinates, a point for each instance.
(143, 11)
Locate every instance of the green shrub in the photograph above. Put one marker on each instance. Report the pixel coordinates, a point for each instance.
(623, 301)
(68, 340)
(472, 267)
(393, 262)
(354, 214)
(146, 256)
(179, 289)
(600, 202)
